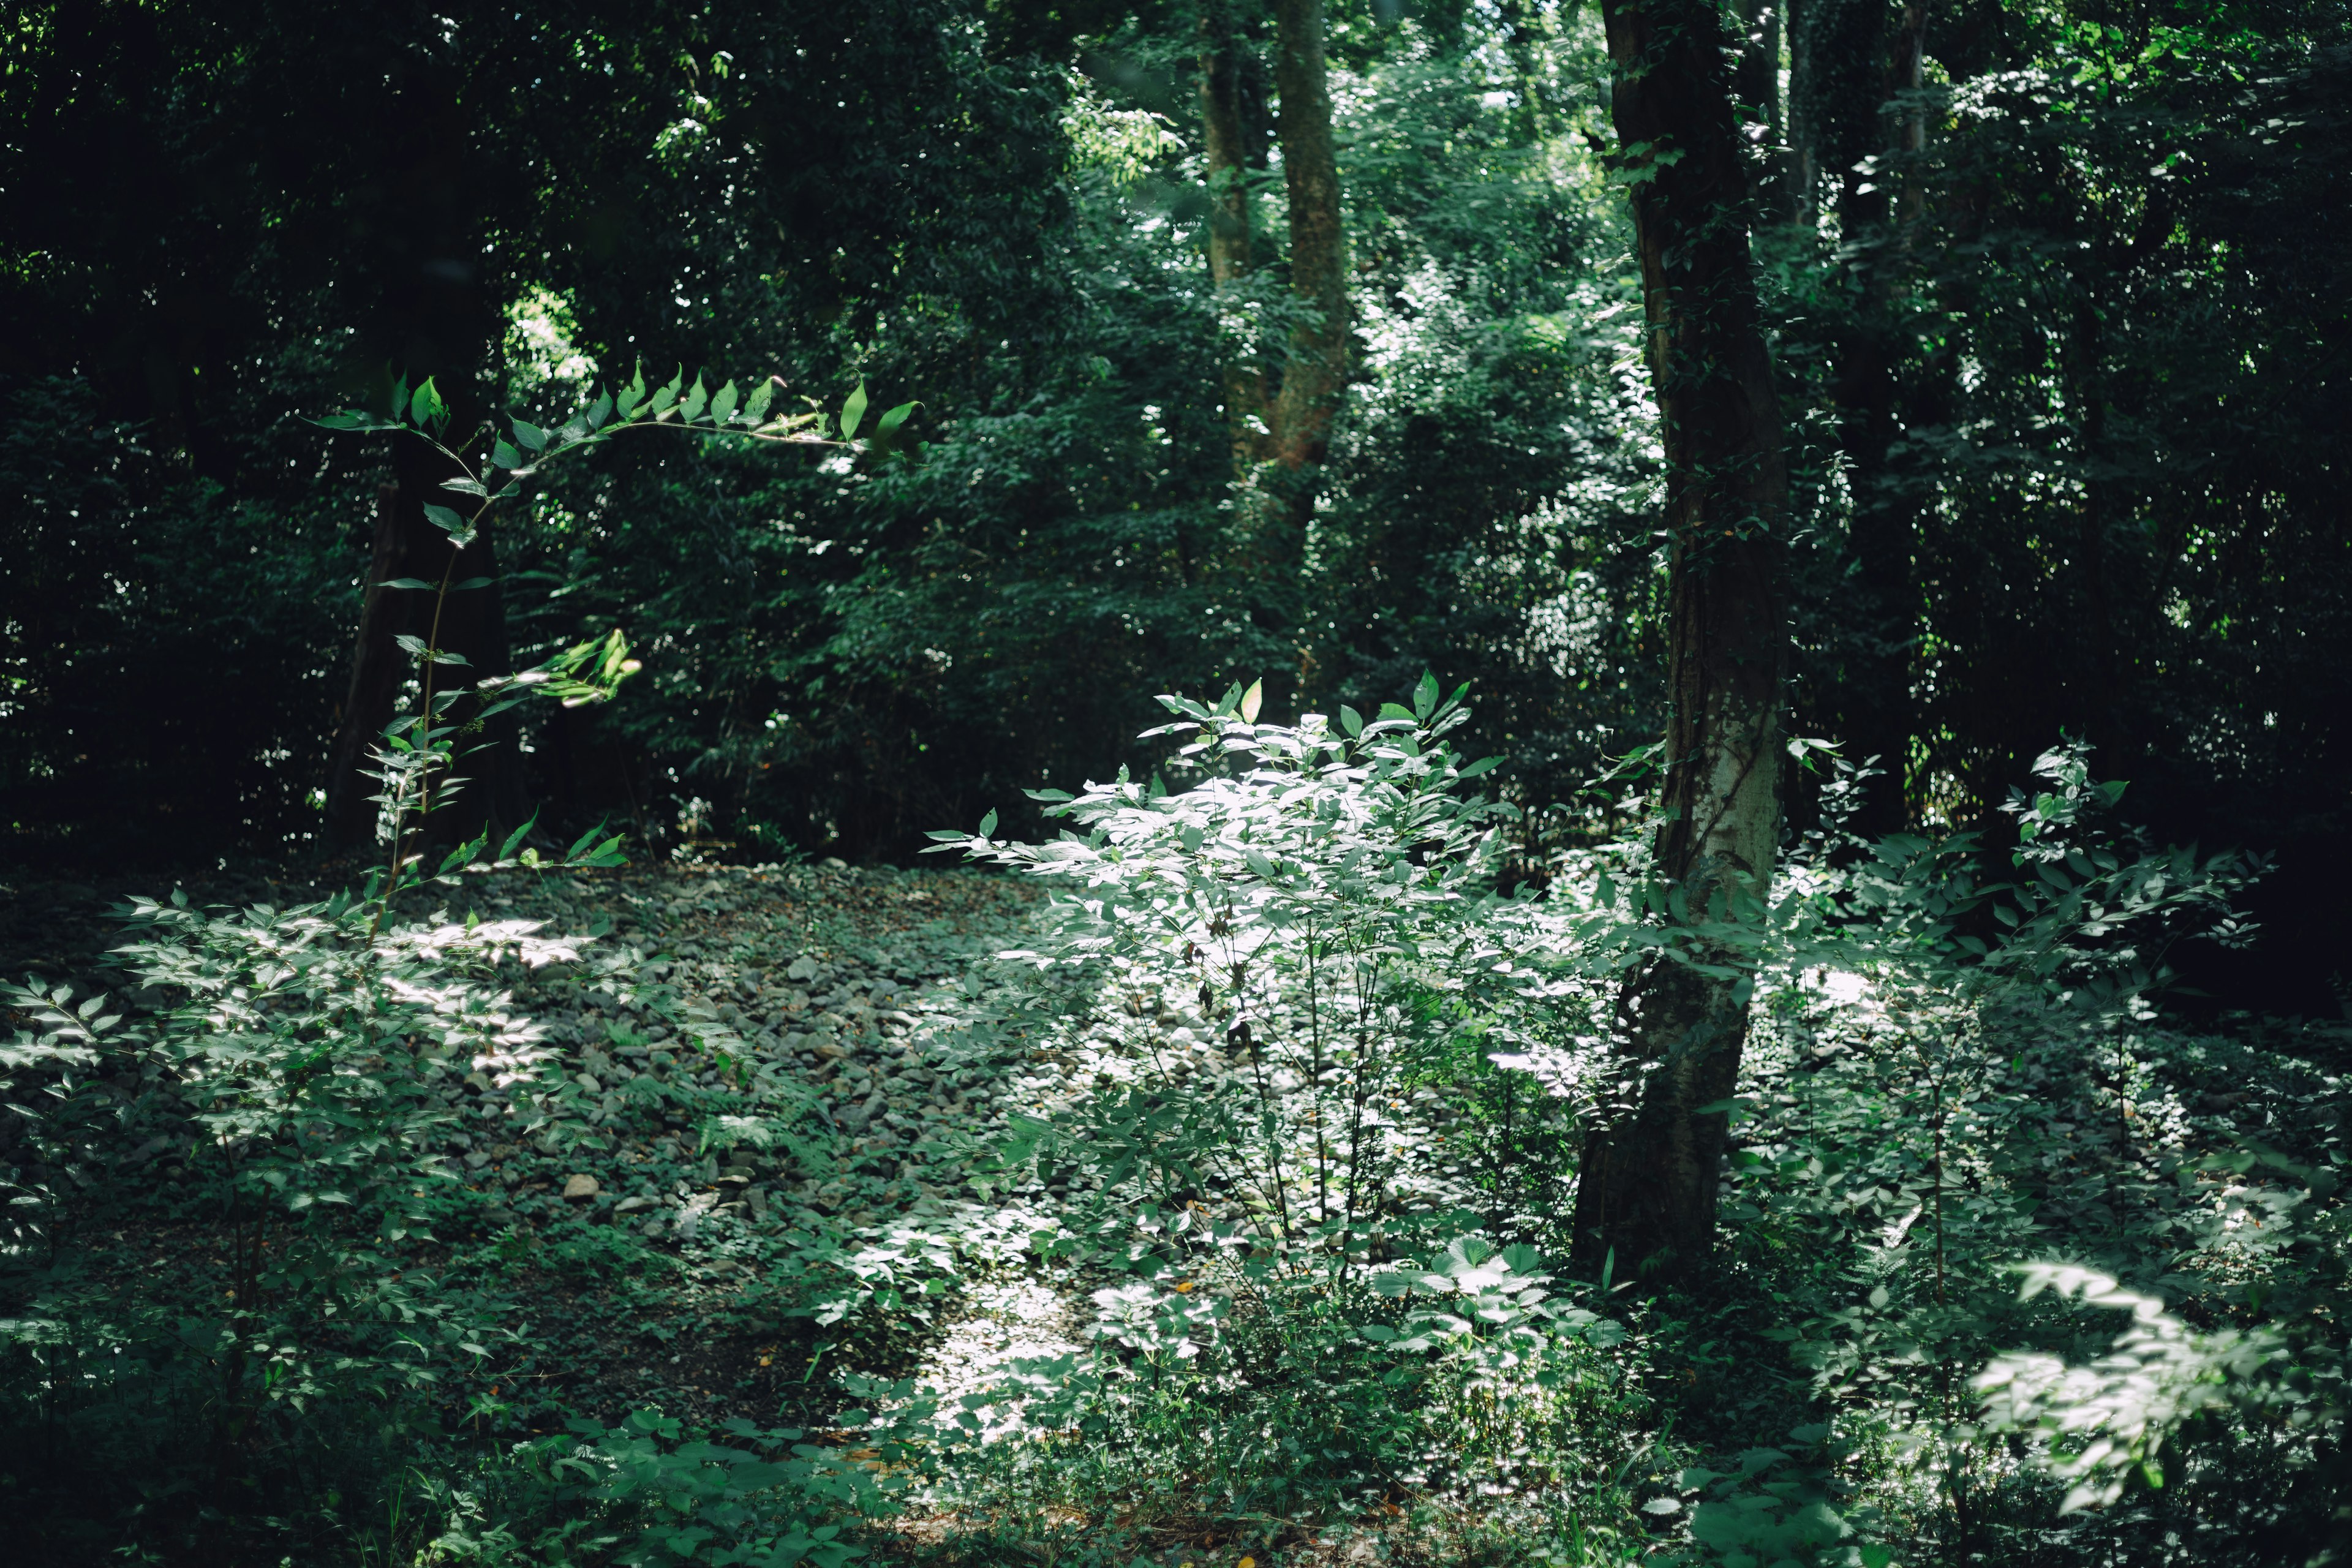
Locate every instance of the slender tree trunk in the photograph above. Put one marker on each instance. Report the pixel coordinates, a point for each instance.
(1875, 717)
(1759, 77)
(1316, 373)
(1646, 1191)
(1233, 139)
(434, 319)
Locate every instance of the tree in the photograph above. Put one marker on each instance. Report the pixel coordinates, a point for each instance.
(1315, 373)
(440, 313)
(1233, 142)
(1646, 1190)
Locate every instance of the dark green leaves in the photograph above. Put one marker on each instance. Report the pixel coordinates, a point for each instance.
(460, 531)
(426, 409)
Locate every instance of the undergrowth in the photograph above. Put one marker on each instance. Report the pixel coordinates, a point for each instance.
(2013, 1269)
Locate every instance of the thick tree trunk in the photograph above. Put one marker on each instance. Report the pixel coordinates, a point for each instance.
(1315, 373)
(1232, 98)
(1646, 1191)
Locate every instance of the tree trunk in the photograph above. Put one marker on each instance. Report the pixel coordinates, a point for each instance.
(1875, 709)
(473, 626)
(1232, 94)
(1646, 1191)
(434, 319)
(1760, 79)
(1315, 373)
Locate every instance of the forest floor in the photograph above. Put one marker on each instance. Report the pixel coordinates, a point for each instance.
(791, 1118)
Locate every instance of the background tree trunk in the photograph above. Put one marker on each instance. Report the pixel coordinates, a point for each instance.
(1232, 138)
(1647, 1186)
(1876, 709)
(435, 318)
(1316, 373)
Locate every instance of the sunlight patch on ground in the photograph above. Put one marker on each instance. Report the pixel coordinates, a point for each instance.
(1013, 1320)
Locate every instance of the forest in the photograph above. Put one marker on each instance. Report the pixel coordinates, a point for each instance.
(1192, 783)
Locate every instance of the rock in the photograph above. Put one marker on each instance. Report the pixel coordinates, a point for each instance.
(631, 1206)
(580, 1186)
(801, 968)
(689, 1218)
(477, 1160)
(587, 1080)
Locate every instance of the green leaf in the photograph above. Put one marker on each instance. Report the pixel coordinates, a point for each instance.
(1251, 700)
(852, 412)
(1350, 720)
(470, 584)
(425, 408)
(506, 851)
(988, 825)
(533, 438)
(1424, 696)
(886, 428)
(722, 405)
(761, 395)
(666, 398)
(445, 520)
(632, 395)
(505, 455)
(352, 419)
(404, 583)
(691, 409)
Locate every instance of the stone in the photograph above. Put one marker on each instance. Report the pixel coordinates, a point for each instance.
(631, 1206)
(580, 1186)
(587, 1080)
(801, 968)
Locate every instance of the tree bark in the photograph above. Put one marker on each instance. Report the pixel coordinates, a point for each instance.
(1876, 709)
(1315, 373)
(1232, 94)
(473, 626)
(434, 318)
(1646, 1191)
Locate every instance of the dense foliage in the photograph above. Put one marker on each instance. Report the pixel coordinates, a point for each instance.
(762, 444)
